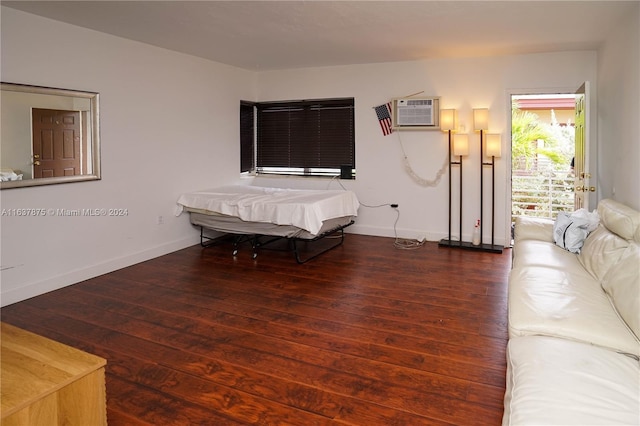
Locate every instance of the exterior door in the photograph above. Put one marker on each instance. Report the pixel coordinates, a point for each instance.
(581, 159)
(56, 143)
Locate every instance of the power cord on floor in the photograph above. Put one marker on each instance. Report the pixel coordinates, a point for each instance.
(404, 243)
(399, 243)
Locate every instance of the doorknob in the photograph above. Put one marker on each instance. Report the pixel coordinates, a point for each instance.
(585, 188)
(36, 156)
(584, 175)
(36, 163)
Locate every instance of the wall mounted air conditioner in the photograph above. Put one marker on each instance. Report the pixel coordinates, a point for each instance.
(416, 113)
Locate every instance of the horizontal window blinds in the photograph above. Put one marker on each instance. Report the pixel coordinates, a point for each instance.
(316, 134)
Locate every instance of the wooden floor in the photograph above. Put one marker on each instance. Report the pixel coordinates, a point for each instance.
(366, 334)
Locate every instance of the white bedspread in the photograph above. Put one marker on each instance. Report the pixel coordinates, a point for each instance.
(304, 208)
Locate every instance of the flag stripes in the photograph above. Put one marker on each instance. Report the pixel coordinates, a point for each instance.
(384, 117)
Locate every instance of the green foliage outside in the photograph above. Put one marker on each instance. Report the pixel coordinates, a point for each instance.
(527, 129)
(542, 182)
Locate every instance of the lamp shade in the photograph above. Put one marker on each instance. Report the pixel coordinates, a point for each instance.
(448, 119)
(494, 145)
(460, 144)
(480, 119)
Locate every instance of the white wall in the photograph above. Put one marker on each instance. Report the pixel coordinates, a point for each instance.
(619, 113)
(169, 124)
(462, 84)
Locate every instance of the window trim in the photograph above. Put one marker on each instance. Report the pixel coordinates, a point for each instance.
(323, 153)
(247, 137)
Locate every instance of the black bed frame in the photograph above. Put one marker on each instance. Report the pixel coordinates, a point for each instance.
(257, 241)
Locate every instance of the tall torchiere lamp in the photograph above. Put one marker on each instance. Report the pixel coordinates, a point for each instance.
(459, 148)
(481, 124)
(448, 121)
(493, 149)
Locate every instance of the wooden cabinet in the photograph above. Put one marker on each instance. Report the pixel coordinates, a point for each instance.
(45, 382)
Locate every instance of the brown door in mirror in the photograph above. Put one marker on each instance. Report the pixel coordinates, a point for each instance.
(57, 143)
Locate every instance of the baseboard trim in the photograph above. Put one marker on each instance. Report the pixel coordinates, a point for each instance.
(387, 232)
(54, 283)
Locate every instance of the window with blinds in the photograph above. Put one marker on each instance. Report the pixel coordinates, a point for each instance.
(309, 138)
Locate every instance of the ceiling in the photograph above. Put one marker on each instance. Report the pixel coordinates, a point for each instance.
(269, 35)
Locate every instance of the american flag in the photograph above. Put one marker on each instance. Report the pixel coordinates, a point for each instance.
(384, 117)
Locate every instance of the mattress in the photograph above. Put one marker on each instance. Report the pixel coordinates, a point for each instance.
(234, 225)
(236, 206)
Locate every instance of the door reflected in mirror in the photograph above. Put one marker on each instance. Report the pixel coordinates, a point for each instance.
(48, 136)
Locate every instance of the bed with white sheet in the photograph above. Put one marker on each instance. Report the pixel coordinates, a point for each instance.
(251, 213)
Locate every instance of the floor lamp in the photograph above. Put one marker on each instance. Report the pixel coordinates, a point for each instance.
(493, 149)
(448, 121)
(459, 148)
(481, 124)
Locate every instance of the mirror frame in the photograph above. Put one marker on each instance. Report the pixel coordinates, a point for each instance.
(95, 134)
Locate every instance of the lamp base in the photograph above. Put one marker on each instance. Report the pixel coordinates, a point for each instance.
(491, 248)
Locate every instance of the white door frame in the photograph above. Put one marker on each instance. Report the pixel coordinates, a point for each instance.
(509, 94)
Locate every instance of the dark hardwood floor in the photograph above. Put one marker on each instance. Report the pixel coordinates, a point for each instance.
(366, 334)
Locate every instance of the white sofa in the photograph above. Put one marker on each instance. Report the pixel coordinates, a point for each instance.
(574, 324)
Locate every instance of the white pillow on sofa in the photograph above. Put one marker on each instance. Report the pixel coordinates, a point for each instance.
(569, 232)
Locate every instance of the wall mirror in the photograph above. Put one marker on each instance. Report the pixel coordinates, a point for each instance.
(48, 136)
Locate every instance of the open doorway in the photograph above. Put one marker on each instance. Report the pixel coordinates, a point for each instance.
(542, 154)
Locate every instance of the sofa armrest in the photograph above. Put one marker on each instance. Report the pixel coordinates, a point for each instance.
(533, 228)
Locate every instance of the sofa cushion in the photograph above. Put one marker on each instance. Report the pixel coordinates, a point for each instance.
(601, 250)
(622, 284)
(533, 228)
(618, 218)
(565, 302)
(541, 253)
(554, 381)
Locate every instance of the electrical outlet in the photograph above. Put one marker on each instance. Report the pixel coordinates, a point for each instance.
(160, 220)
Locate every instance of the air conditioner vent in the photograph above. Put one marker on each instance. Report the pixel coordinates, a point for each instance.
(415, 113)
